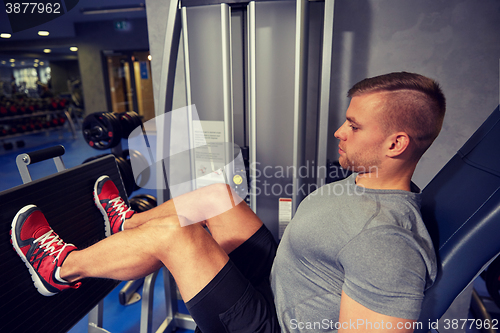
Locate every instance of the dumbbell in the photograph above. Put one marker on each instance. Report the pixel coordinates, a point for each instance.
(57, 121)
(30, 127)
(11, 109)
(30, 107)
(62, 103)
(104, 130)
(3, 111)
(21, 128)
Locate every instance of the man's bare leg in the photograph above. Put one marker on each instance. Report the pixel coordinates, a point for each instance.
(229, 224)
(189, 253)
(160, 237)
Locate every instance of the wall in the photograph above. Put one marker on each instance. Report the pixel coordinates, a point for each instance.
(456, 42)
(92, 39)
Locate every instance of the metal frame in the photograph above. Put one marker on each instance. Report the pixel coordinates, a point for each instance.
(177, 25)
(300, 97)
(165, 99)
(23, 160)
(252, 104)
(174, 319)
(227, 82)
(189, 101)
(96, 316)
(324, 108)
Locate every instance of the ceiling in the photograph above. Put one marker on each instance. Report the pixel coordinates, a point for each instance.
(27, 44)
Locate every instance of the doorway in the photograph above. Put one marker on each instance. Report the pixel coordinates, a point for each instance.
(130, 85)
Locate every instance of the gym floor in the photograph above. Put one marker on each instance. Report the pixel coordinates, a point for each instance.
(117, 317)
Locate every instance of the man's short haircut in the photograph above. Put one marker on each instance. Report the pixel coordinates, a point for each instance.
(414, 104)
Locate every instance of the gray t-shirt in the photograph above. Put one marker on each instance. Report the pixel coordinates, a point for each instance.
(372, 244)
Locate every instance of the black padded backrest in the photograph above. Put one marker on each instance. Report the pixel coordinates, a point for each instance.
(66, 199)
(461, 208)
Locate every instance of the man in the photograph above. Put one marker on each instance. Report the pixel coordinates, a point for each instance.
(357, 259)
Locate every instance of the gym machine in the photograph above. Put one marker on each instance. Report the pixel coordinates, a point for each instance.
(23, 308)
(184, 38)
(246, 64)
(251, 77)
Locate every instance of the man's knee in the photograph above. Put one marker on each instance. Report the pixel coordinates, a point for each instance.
(217, 190)
(222, 196)
(166, 224)
(168, 228)
(205, 203)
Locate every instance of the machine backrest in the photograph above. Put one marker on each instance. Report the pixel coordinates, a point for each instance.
(66, 200)
(461, 208)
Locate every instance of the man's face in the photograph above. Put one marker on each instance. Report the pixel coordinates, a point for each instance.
(362, 136)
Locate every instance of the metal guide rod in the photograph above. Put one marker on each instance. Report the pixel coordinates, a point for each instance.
(300, 97)
(165, 98)
(324, 104)
(95, 317)
(227, 83)
(187, 68)
(252, 104)
(147, 303)
(189, 101)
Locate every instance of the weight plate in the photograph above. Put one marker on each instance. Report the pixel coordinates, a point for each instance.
(137, 119)
(140, 163)
(127, 124)
(129, 121)
(102, 130)
(127, 174)
(149, 198)
(140, 204)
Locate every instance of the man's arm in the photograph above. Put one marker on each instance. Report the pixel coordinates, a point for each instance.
(355, 317)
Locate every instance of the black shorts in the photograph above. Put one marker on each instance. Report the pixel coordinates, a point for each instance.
(239, 298)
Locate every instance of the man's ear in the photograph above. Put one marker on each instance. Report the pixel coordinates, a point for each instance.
(398, 144)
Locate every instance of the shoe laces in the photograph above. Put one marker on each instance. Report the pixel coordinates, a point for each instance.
(120, 207)
(50, 242)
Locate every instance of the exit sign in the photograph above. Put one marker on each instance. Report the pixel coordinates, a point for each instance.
(122, 25)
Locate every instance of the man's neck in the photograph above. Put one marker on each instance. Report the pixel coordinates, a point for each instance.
(385, 180)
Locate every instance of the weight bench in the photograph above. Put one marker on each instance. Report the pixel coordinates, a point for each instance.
(66, 200)
(461, 209)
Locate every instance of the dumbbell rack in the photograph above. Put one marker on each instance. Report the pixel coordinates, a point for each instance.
(9, 121)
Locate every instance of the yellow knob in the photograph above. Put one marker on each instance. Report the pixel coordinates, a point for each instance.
(237, 179)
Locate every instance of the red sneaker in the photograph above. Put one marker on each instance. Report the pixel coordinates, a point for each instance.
(41, 249)
(112, 206)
